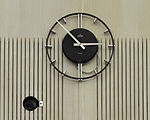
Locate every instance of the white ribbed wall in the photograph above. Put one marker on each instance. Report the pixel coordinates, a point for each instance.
(121, 92)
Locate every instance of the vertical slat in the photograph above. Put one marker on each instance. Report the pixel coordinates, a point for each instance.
(120, 80)
(148, 75)
(27, 74)
(104, 103)
(80, 101)
(108, 86)
(112, 83)
(14, 77)
(6, 79)
(23, 84)
(16, 72)
(44, 81)
(33, 78)
(31, 58)
(8, 74)
(124, 97)
(128, 78)
(48, 87)
(2, 77)
(132, 61)
(60, 58)
(116, 55)
(56, 80)
(136, 80)
(17, 110)
(40, 77)
(36, 59)
(140, 79)
(19, 78)
(99, 82)
(144, 81)
(10, 79)
(52, 82)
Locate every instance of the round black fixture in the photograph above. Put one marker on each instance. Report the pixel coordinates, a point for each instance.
(30, 103)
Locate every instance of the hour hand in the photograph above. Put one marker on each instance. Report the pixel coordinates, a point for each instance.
(87, 44)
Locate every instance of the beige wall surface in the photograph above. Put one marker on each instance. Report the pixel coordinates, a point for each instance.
(33, 18)
(121, 92)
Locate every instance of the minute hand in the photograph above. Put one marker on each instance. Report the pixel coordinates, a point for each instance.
(87, 44)
(82, 46)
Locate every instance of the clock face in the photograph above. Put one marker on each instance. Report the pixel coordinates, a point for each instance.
(75, 53)
(81, 45)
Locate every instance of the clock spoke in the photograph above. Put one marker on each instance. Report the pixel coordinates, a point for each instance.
(80, 21)
(80, 70)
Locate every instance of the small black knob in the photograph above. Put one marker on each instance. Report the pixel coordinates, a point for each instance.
(30, 103)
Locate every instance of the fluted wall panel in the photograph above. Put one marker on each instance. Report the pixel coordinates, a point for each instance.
(121, 92)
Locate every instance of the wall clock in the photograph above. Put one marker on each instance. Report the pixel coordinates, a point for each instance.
(80, 44)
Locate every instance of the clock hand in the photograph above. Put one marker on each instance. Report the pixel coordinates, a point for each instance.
(87, 44)
(71, 35)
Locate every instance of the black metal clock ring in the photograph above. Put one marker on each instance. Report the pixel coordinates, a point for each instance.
(78, 55)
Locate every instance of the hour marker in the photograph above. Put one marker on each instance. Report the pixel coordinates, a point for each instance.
(111, 45)
(64, 20)
(48, 46)
(106, 61)
(95, 71)
(53, 31)
(95, 20)
(53, 61)
(106, 31)
(65, 72)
